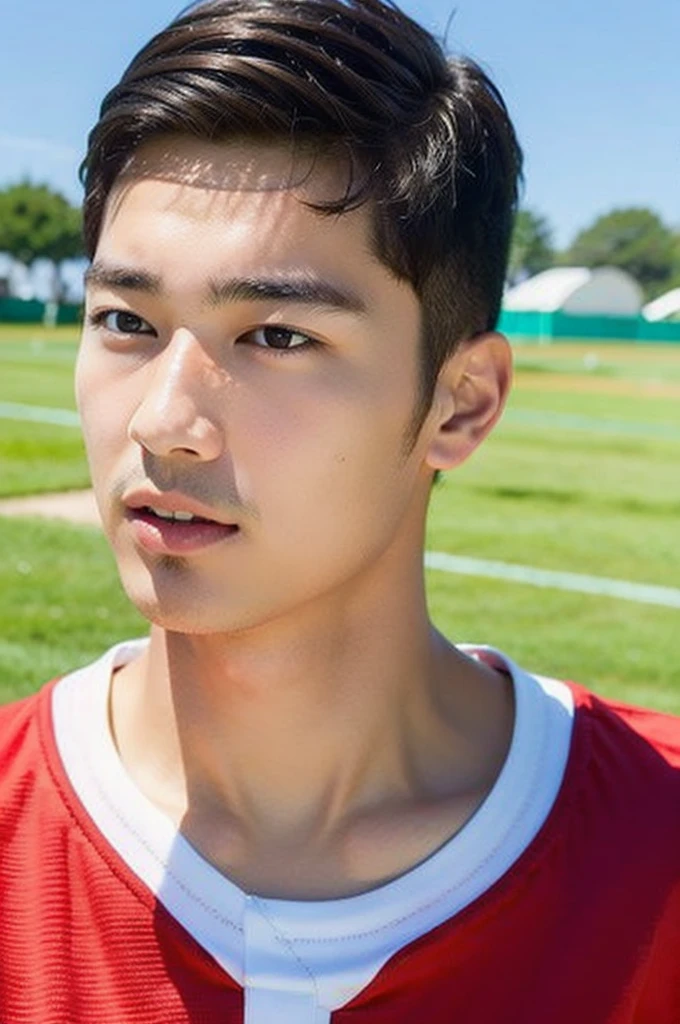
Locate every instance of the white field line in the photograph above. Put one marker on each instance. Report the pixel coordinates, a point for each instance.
(642, 593)
(523, 417)
(39, 414)
(589, 424)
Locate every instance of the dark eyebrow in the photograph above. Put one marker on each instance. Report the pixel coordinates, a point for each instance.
(107, 275)
(302, 288)
(305, 289)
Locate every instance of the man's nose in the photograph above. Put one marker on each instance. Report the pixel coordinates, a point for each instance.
(177, 414)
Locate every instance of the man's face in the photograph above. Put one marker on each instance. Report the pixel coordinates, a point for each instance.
(253, 358)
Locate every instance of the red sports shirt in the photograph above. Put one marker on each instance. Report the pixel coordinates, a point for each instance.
(555, 907)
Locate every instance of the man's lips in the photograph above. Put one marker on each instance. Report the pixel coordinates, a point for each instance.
(172, 501)
(161, 535)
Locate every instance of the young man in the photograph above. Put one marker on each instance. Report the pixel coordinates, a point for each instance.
(297, 803)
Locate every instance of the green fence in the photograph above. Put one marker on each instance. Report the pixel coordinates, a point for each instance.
(17, 311)
(547, 327)
(22, 311)
(68, 314)
(662, 330)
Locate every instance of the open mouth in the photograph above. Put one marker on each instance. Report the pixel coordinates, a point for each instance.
(174, 517)
(175, 532)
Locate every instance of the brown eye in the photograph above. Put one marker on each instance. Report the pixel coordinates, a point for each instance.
(274, 336)
(119, 321)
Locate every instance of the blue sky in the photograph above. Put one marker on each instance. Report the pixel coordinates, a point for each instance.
(593, 87)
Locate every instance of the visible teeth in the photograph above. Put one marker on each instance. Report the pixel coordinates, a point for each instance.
(183, 517)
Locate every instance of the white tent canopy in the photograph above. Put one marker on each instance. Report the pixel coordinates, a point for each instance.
(603, 291)
(665, 307)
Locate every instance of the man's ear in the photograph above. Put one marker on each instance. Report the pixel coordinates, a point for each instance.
(469, 398)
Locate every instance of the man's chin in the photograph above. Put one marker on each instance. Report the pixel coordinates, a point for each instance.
(182, 620)
(184, 609)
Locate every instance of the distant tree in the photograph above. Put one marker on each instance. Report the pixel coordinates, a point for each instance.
(634, 239)
(531, 249)
(37, 222)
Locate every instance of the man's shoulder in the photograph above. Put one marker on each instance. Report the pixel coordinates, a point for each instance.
(625, 775)
(19, 720)
(22, 736)
(629, 727)
(29, 798)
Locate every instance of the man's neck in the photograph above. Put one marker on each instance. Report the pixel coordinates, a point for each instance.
(315, 742)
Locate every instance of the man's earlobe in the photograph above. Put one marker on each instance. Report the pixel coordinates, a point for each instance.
(469, 398)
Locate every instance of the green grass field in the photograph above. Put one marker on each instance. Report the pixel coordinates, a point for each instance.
(581, 476)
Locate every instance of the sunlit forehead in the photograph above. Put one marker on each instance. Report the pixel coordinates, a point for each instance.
(242, 165)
